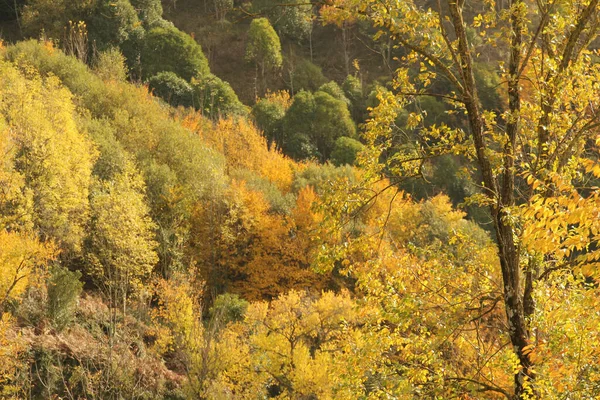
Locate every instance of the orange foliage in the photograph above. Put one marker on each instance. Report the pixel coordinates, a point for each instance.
(244, 147)
(243, 248)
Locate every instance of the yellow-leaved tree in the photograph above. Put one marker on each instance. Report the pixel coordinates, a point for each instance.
(52, 159)
(534, 158)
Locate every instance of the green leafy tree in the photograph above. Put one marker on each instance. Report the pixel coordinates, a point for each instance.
(171, 50)
(305, 75)
(331, 120)
(268, 116)
(149, 12)
(111, 65)
(353, 91)
(292, 19)
(263, 48)
(345, 151)
(335, 91)
(215, 97)
(298, 127)
(171, 88)
(113, 23)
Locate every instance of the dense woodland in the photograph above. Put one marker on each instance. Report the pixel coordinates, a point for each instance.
(349, 199)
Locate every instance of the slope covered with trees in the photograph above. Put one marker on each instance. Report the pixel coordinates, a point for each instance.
(402, 202)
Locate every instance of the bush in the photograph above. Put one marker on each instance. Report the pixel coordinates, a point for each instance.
(171, 50)
(331, 120)
(228, 308)
(171, 88)
(110, 65)
(345, 151)
(316, 176)
(64, 288)
(279, 203)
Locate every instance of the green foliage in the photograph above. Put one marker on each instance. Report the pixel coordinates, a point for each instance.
(331, 120)
(263, 47)
(113, 23)
(318, 176)
(488, 83)
(52, 16)
(306, 76)
(335, 91)
(228, 307)
(268, 116)
(64, 288)
(292, 19)
(353, 91)
(171, 50)
(321, 118)
(171, 88)
(215, 97)
(149, 12)
(345, 151)
(113, 157)
(279, 203)
(298, 126)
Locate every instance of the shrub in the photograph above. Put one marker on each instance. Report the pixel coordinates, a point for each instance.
(64, 288)
(228, 308)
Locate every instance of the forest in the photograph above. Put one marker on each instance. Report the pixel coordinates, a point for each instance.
(280, 199)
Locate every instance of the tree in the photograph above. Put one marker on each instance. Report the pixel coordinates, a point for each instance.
(171, 50)
(268, 116)
(120, 246)
(263, 48)
(292, 19)
(304, 75)
(21, 259)
(149, 12)
(345, 151)
(54, 158)
(533, 158)
(335, 91)
(298, 126)
(353, 90)
(215, 97)
(171, 88)
(331, 121)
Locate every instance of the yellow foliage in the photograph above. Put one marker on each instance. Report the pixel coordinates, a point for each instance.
(11, 347)
(21, 259)
(177, 315)
(55, 158)
(244, 148)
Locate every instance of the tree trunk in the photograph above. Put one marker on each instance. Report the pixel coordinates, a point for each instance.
(501, 193)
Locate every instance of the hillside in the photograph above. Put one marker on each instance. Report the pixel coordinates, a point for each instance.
(339, 200)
